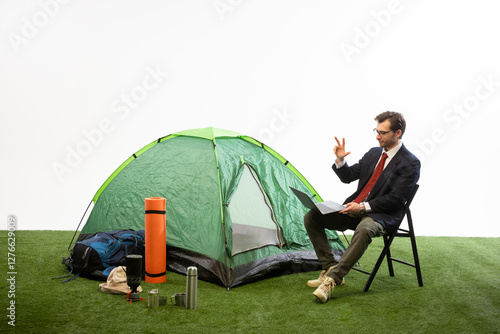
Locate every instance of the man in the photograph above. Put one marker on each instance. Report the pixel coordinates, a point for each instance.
(387, 176)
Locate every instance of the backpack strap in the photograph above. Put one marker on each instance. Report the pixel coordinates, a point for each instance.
(71, 266)
(71, 271)
(70, 263)
(72, 278)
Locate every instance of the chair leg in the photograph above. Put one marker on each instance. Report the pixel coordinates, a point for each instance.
(384, 253)
(417, 263)
(415, 252)
(389, 258)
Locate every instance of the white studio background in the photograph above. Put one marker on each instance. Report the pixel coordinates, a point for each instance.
(84, 84)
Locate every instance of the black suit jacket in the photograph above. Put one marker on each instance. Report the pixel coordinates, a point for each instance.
(393, 187)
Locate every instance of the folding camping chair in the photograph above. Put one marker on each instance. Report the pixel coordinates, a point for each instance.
(386, 251)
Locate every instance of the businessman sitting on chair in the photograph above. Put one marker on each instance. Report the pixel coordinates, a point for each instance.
(387, 175)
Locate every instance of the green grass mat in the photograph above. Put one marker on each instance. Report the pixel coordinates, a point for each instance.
(461, 294)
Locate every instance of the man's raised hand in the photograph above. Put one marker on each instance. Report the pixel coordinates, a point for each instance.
(339, 150)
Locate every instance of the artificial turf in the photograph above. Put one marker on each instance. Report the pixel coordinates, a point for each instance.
(461, 294)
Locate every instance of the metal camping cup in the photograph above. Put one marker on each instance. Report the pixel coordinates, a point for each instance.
(179, 299)
(153, 298)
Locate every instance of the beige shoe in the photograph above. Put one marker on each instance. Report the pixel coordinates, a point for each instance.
(314, 283)
(324, 291)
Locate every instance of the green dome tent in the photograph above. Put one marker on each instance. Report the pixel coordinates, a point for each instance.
(229, 210)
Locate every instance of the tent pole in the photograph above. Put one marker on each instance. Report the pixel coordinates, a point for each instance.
(69, 246)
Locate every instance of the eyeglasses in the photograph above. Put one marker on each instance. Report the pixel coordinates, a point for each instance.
(382, 133)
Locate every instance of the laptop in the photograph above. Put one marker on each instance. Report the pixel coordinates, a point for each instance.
(322, 207)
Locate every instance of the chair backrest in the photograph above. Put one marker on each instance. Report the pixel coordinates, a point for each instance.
(410, 199)
(401, 232)
(407, 213)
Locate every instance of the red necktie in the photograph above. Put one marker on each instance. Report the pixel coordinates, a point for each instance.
(376, 173)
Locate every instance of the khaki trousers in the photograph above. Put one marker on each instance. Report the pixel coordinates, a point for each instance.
(365, 228)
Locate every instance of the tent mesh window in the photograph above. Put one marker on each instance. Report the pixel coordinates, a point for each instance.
(252, 216)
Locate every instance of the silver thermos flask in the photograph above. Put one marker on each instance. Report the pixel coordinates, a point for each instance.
(192, 288)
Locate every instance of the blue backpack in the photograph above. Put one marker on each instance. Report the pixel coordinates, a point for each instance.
(95, 256)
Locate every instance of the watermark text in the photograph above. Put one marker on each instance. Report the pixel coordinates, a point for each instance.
(373, 28)
(121, 107)
(454, 116)
(280, 119)
(11, 271)
(31, 26)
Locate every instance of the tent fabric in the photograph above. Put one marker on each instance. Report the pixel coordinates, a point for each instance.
(229, 206)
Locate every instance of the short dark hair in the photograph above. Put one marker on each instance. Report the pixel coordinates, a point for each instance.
(396, 119)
